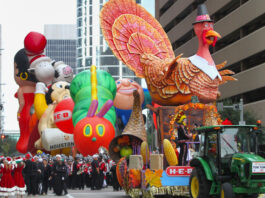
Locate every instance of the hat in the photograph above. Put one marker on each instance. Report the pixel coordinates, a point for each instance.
(58, 156)
(202, 14)
(34, 43)
(18, 159)
(37, 59)
(95, 156)
(28, 156)
(181, 119)
(9, 160)
(2, 157)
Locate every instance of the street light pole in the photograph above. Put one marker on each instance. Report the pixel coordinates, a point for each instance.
(236, 107)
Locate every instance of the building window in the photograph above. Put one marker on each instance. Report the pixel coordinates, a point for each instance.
(109, 60)
(90, 20)
(90, 30)
(79, 32)
(101, 40)
(79, 22)
(79, 52)
(166, 7)
(79, 12)
(88, 62)
(79, 63)
(90, 10)
(79, 42)
(90, 40)
(79, 3)
(90, 2)
(90, 51)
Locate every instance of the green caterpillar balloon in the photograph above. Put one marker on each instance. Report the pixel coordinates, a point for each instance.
(92, 85)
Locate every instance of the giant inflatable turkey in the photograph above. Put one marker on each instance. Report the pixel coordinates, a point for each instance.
(139, 41)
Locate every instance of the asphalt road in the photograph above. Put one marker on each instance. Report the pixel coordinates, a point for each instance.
(106, 192)
(103, 193)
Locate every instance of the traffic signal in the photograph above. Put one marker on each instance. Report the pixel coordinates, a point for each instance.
(3, 136)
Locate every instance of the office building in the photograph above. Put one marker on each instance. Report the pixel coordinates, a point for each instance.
(1, 84)
(241, 25)
(91, 46)
(61, 43)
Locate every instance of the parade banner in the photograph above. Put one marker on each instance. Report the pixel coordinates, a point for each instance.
(54, 138)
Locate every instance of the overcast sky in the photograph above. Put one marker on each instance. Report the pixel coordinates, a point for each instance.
(18, 18)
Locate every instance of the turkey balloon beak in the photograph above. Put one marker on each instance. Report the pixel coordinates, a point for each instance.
(210, 37)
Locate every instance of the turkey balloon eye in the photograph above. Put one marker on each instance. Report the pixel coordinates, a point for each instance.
(87, 131)
(131, 81)
(119, 82)
(100, 128)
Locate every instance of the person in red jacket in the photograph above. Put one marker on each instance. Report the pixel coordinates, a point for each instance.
(7, 184)
(18, 177)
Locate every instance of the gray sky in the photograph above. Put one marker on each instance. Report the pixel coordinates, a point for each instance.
(18, 18)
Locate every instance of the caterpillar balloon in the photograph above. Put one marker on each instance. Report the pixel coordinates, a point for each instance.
(94, 116)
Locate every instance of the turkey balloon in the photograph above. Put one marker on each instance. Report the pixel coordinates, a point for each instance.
(137, 39)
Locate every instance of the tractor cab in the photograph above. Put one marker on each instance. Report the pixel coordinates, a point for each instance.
(228, 155)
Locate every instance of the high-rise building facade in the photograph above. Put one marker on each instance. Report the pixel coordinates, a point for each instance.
(1, 100)
(91, 46)
(242, 27)
(61, 43)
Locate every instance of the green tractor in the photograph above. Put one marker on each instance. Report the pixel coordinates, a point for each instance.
(228, 165)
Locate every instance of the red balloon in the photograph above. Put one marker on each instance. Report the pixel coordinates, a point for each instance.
(35, 43)
(92, 132)
(63, 115)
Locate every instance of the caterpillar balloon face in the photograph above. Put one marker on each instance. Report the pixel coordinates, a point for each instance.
(94, 131)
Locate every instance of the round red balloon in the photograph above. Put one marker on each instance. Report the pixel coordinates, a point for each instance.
(63, 115)
(91, 133)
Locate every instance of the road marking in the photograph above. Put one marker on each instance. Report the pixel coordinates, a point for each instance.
(69, 196)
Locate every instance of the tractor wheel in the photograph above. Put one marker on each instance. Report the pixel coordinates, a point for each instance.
(199, 185)
(227, 191)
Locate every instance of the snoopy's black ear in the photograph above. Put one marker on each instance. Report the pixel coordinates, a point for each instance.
(53, 63)
(56, 74)
(48, 96)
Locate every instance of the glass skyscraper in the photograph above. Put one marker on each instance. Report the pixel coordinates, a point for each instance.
(91, 46)
(61, 43)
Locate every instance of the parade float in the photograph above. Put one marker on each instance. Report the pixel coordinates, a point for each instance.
(184, 92)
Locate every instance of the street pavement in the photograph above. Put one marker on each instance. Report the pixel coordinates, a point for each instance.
(103, 193)
(87, 192)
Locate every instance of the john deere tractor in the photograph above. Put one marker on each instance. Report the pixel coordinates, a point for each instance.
(228, 165)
